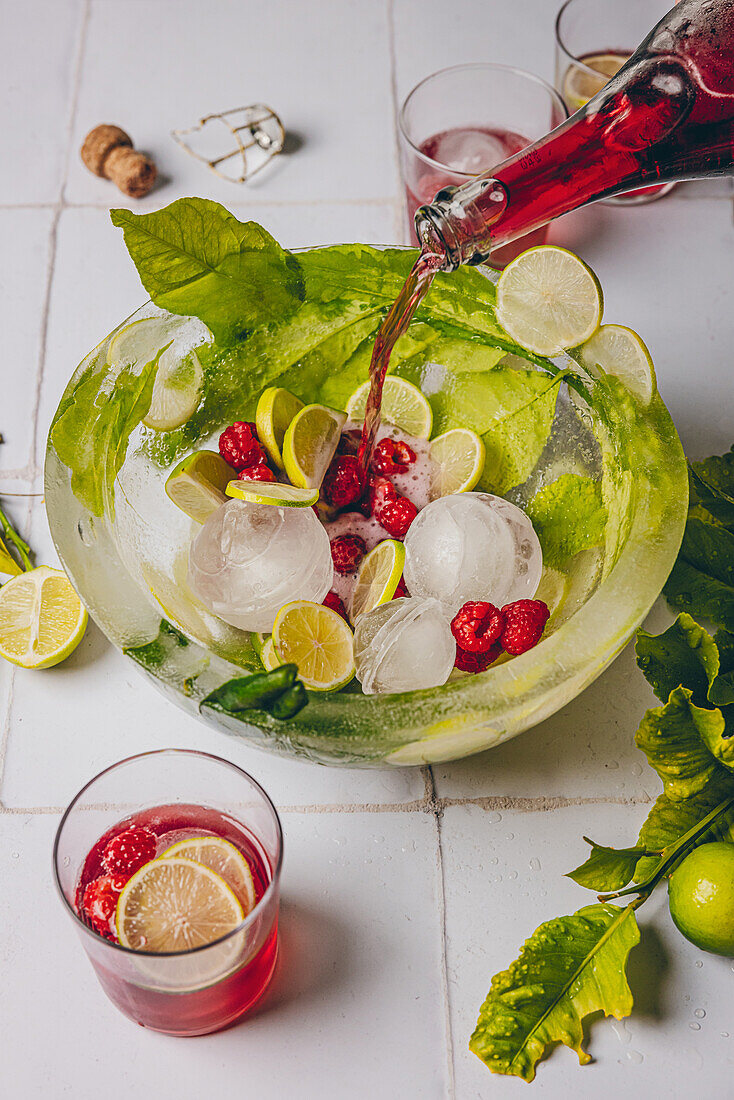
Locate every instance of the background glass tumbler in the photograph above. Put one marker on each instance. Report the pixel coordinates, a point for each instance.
(462, 122)
(190, 992)
(594, 38)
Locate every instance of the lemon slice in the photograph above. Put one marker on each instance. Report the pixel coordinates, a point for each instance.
(272, 492)
(318, 641)
(403, 405)
(310, 443)
(275, 410)
(177, 390)
(175, 905)
(378, 577)
(197, 484)
(269, 656)
(619, 351)
(458, 462)
(224, 859)
(549, 300)
(579, 86)
(141, 340)
(42, 620)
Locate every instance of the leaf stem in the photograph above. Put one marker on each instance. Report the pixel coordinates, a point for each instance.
(20, 545)
(671, 854)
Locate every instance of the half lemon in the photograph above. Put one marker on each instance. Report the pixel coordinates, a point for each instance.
(42, 620)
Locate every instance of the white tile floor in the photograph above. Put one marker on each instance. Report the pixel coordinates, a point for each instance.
(405, 890)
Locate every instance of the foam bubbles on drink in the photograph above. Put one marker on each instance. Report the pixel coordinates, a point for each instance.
(472, 546)
(403, 645)
(249, 560)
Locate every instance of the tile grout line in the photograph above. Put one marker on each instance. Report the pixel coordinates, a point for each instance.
(53, 236)
(437, 810)
(427, 804)
(6, 730)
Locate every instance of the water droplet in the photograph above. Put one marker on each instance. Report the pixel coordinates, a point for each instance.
(339, 839)
(695, 1027)
(635, 1057)
(725, 1035)
(699, 1013)
(66, 861)
(510, 836)
(494, 859)
(15, 855)
(512, 874)
(493, 817)
(699, 963)
(613, 764)
(622, 1031)
(636, 769)
(534, 864)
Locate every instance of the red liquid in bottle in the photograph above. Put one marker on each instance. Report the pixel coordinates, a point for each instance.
(195, 1011)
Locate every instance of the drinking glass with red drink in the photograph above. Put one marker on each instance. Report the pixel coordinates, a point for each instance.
(169, 863)
(594, 39)
(463, 121)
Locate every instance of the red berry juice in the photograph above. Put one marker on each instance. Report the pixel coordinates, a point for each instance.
(192, 1011)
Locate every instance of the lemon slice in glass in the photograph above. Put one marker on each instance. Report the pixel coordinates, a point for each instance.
(272, 492)
(177, 390)
(403, 405)
(309, 444)
(549, 300)
(141, 340)
(318, 641)
(579, 86)
(619, 351)
(197, 484)
(378, 577)
(224, 859)
(275, 410)
(42, 620)
(175, 905)
(458, 462)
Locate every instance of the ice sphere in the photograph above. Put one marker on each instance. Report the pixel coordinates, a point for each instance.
(250, 559)
(403, 645)
(472, 546)
(470, 151)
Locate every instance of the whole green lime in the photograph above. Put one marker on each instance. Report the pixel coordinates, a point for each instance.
(701, 897)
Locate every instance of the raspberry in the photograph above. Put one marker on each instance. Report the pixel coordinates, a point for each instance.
(260, 472)
(477, 626)
(100, 901)
(395, 514)
(127, 852)
(379, 491)
(240, 447)
(524, 625)
(392, 456)
(476, 662)
(401, 590)
(334, 601)
(343, 482)
(347, 552)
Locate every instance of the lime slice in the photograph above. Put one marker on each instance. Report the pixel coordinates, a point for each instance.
(403, 405)
(175, 905)
(269, 657)
(272, 492)
(177, 390)
(141, 340)
(552, 589)
(458, 462)
(619, 351)
(275, 410)
(549, 300)
(318, 641)
(310, 443)
(42, 620)
(378, 577)
(197, 484)
(258, 641)
(579, 86)
(224, 859)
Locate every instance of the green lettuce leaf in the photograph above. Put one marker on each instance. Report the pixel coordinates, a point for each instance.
(570, 967)
(91, 432)
(684, 654)
(195, 258)
(712, 486)
(568, 516)
(721, 691)
(669, 819)
(684, 744)
(607, 868)
(702, 580)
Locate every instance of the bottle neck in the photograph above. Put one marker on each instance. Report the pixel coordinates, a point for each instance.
(668, 115)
